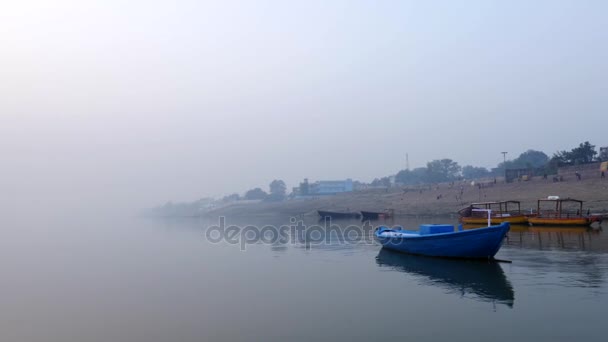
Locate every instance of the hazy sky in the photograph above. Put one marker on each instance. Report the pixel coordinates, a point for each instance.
(144, 101)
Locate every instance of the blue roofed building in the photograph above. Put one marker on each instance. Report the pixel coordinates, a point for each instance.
(331, 187)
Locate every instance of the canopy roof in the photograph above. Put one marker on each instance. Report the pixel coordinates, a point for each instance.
(495, 202)
(560, 200)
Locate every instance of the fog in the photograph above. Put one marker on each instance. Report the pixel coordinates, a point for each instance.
(131, 104)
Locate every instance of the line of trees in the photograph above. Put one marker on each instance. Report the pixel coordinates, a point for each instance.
(435, 171)
(446, 170)
(583, 154)
(277, 192)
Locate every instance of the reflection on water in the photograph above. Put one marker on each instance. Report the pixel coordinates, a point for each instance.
(568, 238)
(556, 237)
(477, 279)
(124, 279)
(520, 236)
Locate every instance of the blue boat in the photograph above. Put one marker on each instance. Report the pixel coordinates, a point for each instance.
(440, 240)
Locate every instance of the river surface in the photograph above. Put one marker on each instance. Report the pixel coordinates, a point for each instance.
(133, 279)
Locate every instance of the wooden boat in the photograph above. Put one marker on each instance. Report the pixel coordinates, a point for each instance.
(486, 281)
(440, 240)
(338, 215)
(501, 212)
(375, 215)
(557, 215)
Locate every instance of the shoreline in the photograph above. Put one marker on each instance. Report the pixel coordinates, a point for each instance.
(439, 200)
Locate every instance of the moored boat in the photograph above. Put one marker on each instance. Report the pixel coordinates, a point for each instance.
(325, 214)
(558, 215)
(440, 240)
(376, 215)
(501, 212)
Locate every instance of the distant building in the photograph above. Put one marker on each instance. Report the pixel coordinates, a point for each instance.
(603, 153)
(320, 188)
(330, 187)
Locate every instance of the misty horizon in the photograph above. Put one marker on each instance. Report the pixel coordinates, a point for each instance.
(140, 103)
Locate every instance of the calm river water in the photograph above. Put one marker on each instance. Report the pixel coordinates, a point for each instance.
(132, 279)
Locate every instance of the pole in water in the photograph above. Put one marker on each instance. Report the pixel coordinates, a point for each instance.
(501, 260)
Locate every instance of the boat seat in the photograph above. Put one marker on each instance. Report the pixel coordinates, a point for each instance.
(426, 229)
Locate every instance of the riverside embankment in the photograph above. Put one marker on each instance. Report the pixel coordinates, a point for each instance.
(433, 200)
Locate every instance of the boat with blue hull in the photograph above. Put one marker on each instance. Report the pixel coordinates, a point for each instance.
(441, 240)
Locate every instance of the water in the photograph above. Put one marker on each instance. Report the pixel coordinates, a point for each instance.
(130, 279)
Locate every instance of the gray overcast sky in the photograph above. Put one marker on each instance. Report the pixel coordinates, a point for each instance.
(145, 101)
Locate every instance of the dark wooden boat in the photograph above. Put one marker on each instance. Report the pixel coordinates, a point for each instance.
(338, 215)
(375, 215)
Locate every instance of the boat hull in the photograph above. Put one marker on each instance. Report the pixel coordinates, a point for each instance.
(540, 221)
(481, 243)
(337, 215)
(495, 220)
(372, 215)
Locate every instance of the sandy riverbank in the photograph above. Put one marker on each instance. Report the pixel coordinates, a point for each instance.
(438, 200)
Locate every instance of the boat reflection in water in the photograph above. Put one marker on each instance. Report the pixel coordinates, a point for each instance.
(558, 238)
(484, 280)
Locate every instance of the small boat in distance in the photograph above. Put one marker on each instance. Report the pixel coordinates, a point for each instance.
(440, 240)
(375, 215)
(501, 212)
(325, 214)
(557, 215)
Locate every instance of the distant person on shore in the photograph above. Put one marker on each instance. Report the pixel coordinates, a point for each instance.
(578, 175)
(603, 174)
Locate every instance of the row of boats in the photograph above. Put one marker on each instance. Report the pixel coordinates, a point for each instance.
(448, 241)
(364, 215)
(552, 211)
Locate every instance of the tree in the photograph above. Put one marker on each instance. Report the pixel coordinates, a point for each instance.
(415, 176)
(560, 158)
(442, 170)
(528, 160)
(473, 172)
(255, 194)
(531, 159)
(231, 198)
(384, 181)
(584, 153)
(277, 190)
